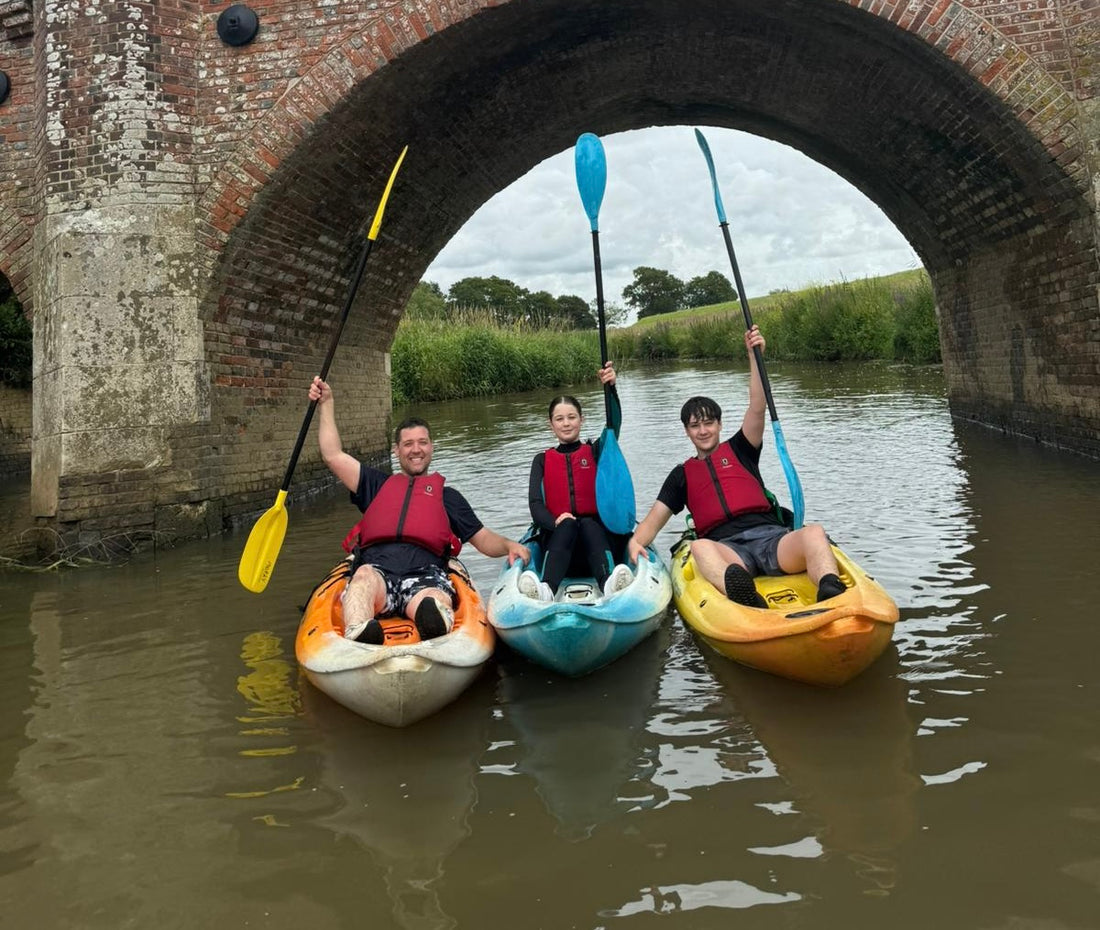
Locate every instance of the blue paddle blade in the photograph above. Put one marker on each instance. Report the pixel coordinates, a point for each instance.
(713, 177)
(591, 168)
(798, 505)
(614, 486)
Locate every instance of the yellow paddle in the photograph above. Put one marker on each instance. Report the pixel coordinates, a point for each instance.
(266, 538)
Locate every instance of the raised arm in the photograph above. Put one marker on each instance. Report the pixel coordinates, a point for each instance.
(343, 466)
(753, 424)
(607, 376)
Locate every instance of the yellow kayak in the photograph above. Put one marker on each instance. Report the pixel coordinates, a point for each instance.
(826, 643)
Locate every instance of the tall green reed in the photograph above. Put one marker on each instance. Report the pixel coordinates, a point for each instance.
(442, 360)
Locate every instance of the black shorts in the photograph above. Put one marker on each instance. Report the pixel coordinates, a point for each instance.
(758, 547)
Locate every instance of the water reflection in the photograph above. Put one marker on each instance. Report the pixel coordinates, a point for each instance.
(845, 754)
(579, 739)
(703, 740)
(675, 899)
(19, 839)
(165, 764)
(403, 797)
(273, 703)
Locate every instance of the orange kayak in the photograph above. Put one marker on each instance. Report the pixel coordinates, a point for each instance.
(826, 643)
(404, 679)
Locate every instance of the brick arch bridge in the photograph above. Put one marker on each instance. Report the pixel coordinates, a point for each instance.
(181, 216)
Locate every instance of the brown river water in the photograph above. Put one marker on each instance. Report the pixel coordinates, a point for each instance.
(165, 765)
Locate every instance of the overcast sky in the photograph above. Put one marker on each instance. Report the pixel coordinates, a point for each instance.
(793, 221)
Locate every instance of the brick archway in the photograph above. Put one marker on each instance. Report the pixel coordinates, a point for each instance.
(973, 125)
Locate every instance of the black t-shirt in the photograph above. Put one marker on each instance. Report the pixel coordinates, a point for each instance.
(673, 493)
(401, 558)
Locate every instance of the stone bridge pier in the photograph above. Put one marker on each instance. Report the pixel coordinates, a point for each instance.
(180, 216)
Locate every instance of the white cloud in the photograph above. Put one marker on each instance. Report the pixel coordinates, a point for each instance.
(793, 221)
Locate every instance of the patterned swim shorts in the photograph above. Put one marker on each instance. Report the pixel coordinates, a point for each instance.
(400, 589)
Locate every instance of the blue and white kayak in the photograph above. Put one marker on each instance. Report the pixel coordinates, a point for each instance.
(581, 630)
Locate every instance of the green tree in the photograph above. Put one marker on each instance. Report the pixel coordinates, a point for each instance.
(426, 302)
(710, 288)
(654, 291)
(539, 308)
(613, 314)
(499, 296)
(575, 312)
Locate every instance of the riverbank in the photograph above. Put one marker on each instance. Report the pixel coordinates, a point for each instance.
(474, 357)
(891, 318)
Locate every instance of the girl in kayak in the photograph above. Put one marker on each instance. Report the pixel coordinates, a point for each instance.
(562, 497)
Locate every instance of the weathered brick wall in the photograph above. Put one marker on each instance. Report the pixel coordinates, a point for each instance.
(17, 149)
(15, 431)
(223, 193)
(1019, 327)
(118, 364)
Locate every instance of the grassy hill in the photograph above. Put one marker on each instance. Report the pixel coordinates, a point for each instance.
(888, 317)
(760, 305)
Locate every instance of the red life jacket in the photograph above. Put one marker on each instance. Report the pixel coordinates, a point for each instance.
(410, 510)
(569, 481)
(720, 488)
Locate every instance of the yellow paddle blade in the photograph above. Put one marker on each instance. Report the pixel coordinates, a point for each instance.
(374, 227)
(262, 548)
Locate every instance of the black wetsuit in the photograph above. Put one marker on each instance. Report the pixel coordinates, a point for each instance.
(582, 543)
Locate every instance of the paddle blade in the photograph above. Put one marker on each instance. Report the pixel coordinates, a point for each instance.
(591, 168)
(798, 505)
(713, 177)
(262, 548)
(374, 227)
(614, 486)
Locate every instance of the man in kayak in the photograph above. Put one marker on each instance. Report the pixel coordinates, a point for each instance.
(411, 525)
(740, 534)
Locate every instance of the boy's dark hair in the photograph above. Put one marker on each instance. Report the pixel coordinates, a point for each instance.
(563, 399)
(700, 408)
(409, 423)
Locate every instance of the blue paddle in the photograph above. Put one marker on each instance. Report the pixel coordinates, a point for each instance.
(798, 505)
(614, 487)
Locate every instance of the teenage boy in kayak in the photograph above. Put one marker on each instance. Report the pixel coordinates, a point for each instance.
(411, 525)
(739, 534)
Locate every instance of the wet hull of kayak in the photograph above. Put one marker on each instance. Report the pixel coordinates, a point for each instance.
(826, 643)
(404, 679)
(581, 630)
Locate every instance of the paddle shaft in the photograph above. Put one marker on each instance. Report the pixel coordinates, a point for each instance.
(304, 431)
(759, 356)
(600, 318)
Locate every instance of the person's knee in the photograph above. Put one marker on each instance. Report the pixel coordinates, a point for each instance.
(815, 535)
(365, 573)
(565, 535)
(703, 549)
(367, 583)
